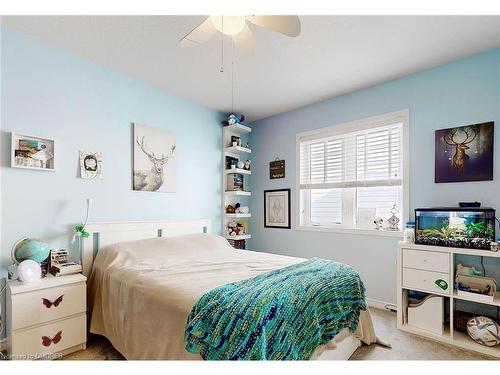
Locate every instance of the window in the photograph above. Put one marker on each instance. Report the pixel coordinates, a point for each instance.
(352, 172)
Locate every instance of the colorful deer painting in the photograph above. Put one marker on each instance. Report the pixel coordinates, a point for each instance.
(464, 153)
(153, 170)
(461, 145)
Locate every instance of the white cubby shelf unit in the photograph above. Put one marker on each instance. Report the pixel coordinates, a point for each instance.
(42, 160)
(418, 268)
(231, 197)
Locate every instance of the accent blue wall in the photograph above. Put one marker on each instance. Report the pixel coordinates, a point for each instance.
(51, 93)
(459, 93)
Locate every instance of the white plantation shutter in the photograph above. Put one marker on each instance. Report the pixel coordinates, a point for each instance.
(349, 167)
(365, 158)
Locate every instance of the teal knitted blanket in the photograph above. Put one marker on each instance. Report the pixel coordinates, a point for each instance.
(281, 315)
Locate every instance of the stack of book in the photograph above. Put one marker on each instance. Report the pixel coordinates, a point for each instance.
(60, 265)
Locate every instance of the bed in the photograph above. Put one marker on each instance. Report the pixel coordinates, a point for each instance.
(144, 279)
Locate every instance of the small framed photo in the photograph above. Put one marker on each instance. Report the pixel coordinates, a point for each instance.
(235, 140)
(277, 208)
(90, 165)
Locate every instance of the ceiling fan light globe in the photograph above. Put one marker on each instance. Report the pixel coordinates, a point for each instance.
(228, 25)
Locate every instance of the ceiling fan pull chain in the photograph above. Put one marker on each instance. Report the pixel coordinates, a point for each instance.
(232, 75)
(222, 47)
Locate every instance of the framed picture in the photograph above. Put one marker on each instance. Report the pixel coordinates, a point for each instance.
(31, 152)
(276, 169)
(154, 160)
(464, 153)
(277, 208)
(90, 165)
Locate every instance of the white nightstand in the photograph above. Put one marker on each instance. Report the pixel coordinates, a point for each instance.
(46, 319)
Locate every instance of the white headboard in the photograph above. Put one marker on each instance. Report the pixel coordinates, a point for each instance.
(105, 234)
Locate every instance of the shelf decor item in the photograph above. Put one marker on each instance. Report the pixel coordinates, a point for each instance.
(476, 288)
(464, 153)
(484, 331)
(233, 118)
(32, 152)
(154, 160)
(393, 221)
(30, 249)
(79, 231)
(277, 208)
(90, 165)
(29, 271)
(235, 182)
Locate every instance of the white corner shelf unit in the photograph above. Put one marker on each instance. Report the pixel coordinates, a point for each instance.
(238, 170)
(418, 269)
(237, 153)
(32, 152)
(240, 237)
(237, 150)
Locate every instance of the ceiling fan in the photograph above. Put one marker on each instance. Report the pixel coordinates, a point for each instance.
(237, 28)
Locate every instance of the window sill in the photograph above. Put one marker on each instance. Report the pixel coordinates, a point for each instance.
(360, 232)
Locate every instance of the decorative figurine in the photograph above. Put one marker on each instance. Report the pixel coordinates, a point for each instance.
(234, 119)
(467, 271)
(393, 220)
(230, 209)
(378, 223)
(243, 210)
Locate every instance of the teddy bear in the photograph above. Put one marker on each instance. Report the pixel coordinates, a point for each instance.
(234, 119)
(467, 271)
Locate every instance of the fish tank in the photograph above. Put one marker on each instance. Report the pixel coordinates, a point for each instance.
(466, 227)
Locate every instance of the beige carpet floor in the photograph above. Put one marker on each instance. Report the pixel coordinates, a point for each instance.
(405, 346)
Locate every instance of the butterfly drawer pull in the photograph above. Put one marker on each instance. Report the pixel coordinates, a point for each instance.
(47, 341)
(48, 303)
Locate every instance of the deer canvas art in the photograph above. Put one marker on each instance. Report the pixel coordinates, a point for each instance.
(154, 160)
(464, 153)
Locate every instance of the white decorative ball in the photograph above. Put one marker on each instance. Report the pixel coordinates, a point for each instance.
(29, 271)
(484, 331)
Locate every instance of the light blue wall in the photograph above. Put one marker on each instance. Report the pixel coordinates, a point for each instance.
(459, 93)
(51, 93)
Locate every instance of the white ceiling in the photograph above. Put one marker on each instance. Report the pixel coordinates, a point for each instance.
(333, 55)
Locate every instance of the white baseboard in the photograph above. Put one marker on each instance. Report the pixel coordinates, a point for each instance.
(377, 304)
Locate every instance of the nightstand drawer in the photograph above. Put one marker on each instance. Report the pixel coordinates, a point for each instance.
(426, 260)
(44, 305)
(49, 338)
(425, 280)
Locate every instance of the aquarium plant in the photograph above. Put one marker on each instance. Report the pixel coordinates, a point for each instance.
(478, 230)
(444, 232)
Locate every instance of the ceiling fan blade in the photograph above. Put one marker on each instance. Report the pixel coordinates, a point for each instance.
(199, 35)
(288, 25)
(244, 42)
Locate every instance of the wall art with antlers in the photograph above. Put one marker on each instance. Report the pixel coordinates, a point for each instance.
(464, 153)
(154, 159)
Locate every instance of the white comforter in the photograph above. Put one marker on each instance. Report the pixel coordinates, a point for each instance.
(141, 292)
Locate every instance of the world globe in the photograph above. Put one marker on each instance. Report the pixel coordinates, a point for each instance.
(30, 248)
